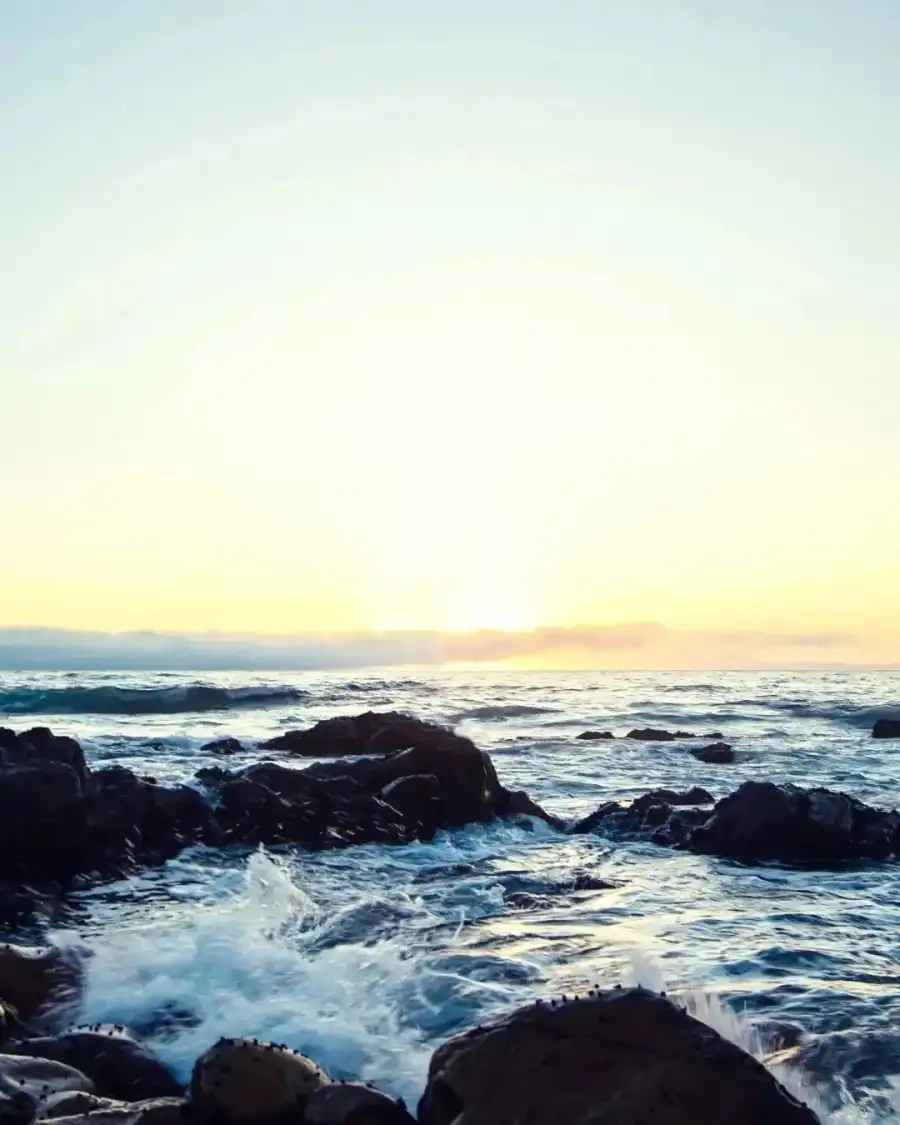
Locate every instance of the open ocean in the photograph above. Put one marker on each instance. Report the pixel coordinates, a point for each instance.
(367, 958)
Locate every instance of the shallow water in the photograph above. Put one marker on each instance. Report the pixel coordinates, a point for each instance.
(367, 958)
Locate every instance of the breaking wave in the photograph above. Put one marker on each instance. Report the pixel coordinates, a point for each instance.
(112, 700)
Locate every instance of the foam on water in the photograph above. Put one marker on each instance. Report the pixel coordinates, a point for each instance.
(369, 957)
(255, 965)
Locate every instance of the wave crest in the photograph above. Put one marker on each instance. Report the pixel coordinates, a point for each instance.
(113, 700)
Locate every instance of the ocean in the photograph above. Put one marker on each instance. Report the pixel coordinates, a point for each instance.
(367, 958)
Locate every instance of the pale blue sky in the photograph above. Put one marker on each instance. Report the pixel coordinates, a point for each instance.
(350, 315)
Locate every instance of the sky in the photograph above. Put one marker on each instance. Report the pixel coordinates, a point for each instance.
(504, 319)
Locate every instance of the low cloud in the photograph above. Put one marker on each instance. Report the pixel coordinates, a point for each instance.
(628, 646)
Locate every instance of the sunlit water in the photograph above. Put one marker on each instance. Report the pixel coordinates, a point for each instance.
(367, 958)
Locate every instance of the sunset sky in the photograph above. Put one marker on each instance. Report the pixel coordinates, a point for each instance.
(345, 317)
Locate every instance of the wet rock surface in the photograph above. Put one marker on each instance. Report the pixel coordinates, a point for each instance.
(620, 1056)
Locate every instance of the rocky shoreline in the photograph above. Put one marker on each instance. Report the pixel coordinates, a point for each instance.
(615, 1056)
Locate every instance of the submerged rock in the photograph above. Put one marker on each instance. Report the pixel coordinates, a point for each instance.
(118, 1065)
(223, 746)
(762, 821)
(886, 728)
(717, 753)
(596, 736)
(620, 1056)
(243, 1080)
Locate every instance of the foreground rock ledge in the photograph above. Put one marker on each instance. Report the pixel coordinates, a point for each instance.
(618, 1057)
(613, 1057)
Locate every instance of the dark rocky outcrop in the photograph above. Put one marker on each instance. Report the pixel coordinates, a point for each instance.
(886, 728)
(596, 736)
(650, 734)
(374, 732)
(759, 822)
(762, 821)
(116, 1063)
(648, 817)
(718, 753)
(620, 1056)
(58, 820)
(696, 795)
(242, 1080)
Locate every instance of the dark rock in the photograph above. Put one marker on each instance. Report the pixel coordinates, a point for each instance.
(251, 813)
(43, 822)
(524, 900)
(584, 881)
(649, 734)
(213, 775)
(83, 1109)
(518, 803)
(36, 979)
(223, 746)
(370, 733)
(718, 753)
(40, 746)
(417, 797)
(622, 1056)
(648, 817)
(351, 1103)
(595, 736)
(117, 1064)
(71, 1103)
(762, 821)
(886, 728)
(252, 1083)
(25, 1082)
(693, 796)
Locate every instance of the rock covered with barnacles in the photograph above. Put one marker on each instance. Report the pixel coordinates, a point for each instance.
(245, 1081)
(615, 1057)
(118, 1065)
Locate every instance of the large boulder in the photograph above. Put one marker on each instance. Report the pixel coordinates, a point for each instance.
(618, 1057)
(35, 980)
(763, 821)
(886, 728)
(595, 736)
(245, 1081)
(118, 1065)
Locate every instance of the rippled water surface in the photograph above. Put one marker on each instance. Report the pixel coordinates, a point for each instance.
(367, 958)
